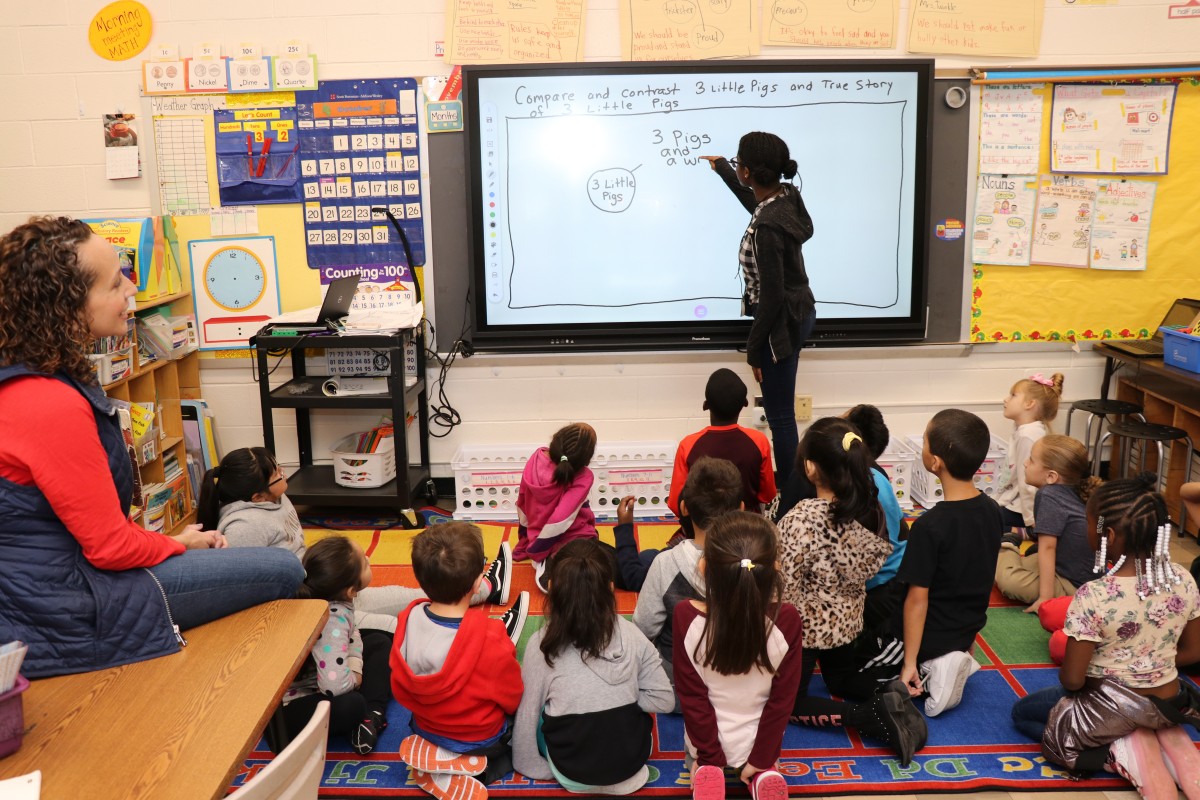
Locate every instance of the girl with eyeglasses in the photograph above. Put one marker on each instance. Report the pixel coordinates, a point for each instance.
(243, 498)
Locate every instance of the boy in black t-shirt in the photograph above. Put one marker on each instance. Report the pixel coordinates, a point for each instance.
(949, 565)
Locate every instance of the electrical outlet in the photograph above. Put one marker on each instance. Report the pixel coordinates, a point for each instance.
(758, 401)
(803, 407)
(760, 420)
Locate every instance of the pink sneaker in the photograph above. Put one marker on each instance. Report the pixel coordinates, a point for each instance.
(708, 783)
(769, 785)
(1137, 758)
(1183, 762)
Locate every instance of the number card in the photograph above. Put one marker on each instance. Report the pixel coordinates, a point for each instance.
(362, 137)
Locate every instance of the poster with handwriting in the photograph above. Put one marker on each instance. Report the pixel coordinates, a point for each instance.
(681, 30)
(1062, 226)
(1003, 212)
(504, 32)
(1121, 129)
(831, 23)
(1010, 129)
(976, 27)
(1121, 233)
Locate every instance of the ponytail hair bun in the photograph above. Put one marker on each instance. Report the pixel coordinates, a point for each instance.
(790, 169)
(571, 449)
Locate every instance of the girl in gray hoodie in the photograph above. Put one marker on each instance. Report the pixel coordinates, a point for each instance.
(592, 680)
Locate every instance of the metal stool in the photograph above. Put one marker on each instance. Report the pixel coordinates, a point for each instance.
(1102, 409)
(1150, 432)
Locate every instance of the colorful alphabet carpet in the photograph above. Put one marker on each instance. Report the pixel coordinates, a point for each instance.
(972, 747)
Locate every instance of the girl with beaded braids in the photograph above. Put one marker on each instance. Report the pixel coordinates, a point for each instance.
(737, 661)
(1121, 700)
(552, 504)
(777, 293)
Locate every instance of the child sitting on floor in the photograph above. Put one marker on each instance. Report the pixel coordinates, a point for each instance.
(713, 488)
(829, 546)
(949, 568)
(737, 661)
(348, 666)
(552, 501)
(1121, 701)
(1031, 404)
(592, 681)
(1058, 467)
(455, 669)
(243, 498)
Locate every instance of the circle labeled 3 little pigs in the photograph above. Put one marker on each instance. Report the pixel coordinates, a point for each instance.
(612, 189)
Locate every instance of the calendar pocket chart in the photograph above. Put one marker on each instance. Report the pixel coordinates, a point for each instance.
(360, 153)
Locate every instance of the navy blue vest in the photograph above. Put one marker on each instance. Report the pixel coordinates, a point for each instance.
(73, 616)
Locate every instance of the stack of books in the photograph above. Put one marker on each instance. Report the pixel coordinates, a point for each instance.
(165, 501)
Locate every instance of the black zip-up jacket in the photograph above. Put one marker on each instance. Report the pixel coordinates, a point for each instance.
(784, 294)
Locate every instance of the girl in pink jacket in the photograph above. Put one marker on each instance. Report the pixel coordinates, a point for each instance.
(552, 505)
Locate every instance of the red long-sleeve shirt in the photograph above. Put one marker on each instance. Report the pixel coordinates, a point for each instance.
(48, 438)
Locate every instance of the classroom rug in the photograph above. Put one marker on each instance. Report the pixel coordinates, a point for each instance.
(973, 747)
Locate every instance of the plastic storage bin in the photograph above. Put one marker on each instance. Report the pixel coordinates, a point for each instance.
(1181, 349)
(900, 461)
(12, 718)
(927, 489)
(486, 480)
(488, 477)
(112, 367)
(363, 470)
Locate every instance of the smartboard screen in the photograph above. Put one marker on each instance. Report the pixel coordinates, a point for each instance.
(595, 223)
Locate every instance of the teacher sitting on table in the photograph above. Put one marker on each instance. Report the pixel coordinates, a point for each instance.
(82, 584)
(777, 293)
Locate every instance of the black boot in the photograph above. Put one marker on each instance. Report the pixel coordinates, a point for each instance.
(891, 718)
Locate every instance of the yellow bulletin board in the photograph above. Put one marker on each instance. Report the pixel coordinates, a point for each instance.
(299, 285)
(1040, 303)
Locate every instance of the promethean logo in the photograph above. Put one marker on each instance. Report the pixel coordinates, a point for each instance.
(701, 339)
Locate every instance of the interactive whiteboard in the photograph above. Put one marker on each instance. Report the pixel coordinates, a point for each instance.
(596, 222)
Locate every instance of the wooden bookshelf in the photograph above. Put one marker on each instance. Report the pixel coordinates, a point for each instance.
(164, 383)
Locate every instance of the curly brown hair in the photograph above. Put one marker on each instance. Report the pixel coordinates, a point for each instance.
(43, 297)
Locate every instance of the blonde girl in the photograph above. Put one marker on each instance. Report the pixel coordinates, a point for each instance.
(1057, 468)
(1031, 405)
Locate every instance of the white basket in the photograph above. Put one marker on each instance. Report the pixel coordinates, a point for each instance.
(363, 470)
(486, 480)
(927, 489)
(112, 367)
(900, 461)
(488, 477)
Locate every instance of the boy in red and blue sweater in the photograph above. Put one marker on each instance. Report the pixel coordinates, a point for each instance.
(455, 669)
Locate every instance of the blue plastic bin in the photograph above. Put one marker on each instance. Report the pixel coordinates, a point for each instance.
(1181, 349)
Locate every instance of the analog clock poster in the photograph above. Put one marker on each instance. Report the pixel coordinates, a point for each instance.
(235, 287)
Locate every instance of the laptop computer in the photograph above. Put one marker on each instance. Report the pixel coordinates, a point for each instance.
(335, 306)
(1182, 312)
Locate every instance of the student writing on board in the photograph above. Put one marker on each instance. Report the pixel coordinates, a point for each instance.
(777, 293)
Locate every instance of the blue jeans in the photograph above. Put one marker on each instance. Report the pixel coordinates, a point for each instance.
(779, 402)
(204, 585)
(1029, 714)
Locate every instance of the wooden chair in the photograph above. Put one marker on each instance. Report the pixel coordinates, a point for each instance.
(295, 774)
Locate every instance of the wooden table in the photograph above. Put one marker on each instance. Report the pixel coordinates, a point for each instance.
(1168, 396)
(179, 726)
